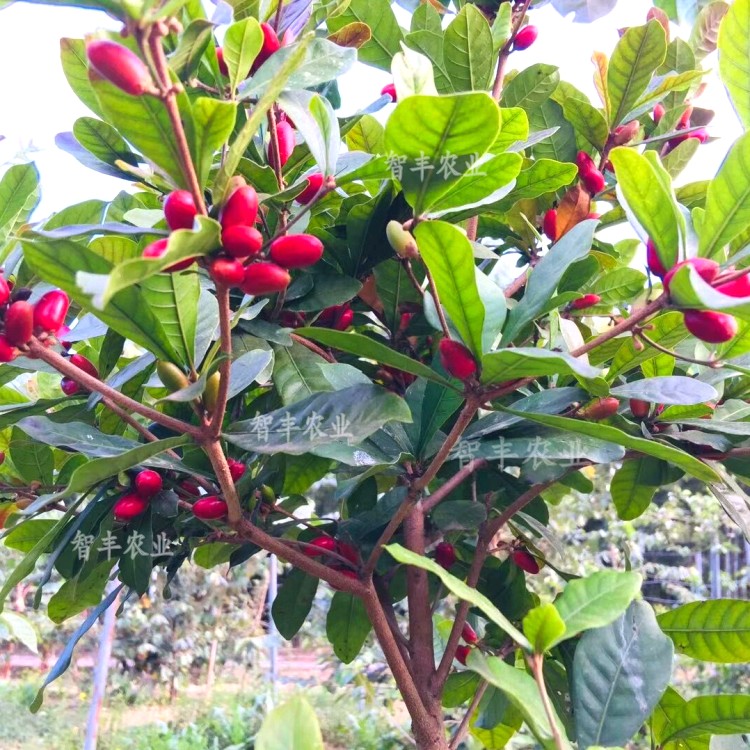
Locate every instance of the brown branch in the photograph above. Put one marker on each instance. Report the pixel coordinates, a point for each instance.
(385, 601)
(663, 349)
(313, 347)
(516, 285)
(463, 727)
(225, 368)
(438, 306)
(429, 502)
(472, 228)
(536, 663)
(64, 366)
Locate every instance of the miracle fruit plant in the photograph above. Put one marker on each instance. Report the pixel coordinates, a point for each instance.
(284, 294)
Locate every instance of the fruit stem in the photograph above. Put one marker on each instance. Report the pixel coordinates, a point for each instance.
(536, 663)
(438, 305)
(463, 727)
(715, 364)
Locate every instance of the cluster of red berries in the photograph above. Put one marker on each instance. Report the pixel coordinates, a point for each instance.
(591, 178)
(147, 484)
(707, 325)
(338, 317)
(324, 545)
(470, 637)
(700, 134)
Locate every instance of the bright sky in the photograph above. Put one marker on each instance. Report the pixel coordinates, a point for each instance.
(37, 103)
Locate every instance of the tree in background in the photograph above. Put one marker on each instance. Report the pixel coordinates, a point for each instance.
(284, 295)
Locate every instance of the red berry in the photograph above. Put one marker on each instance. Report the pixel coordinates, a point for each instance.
(7, 352)
(314, 183)
(120, 66)
(84, 364)
(296, 250)
(639, 409)
(445, 555)
(148, 483)
(588, 300)
(684, 121)
(701, 134)
(271, 44)
(180, 210)
(469, 634)
(706, 268)
(241, 241)
(69, 387)
(345, 320)
(210, 508)
(737, 288)
(625, 133)
(711, 327)
(320, 545)
(600, 408)
(389, 90)
(50, 311)
(227, 271)
(525, 37)
(653, 261)
(265, 278)
(129, 507)
(457, 360)
(4, 290)
(549, 225)
(236, 469)
(593, 180)
(349, 552)
(287, 142)
(240, 209)
(462, 654)
(659, 112)
(19, 323)
(190, 487)
(585, 162)
(223, 69)
(525, 560)
(159, 248)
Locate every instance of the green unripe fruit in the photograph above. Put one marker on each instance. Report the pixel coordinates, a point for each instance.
(401, 241)
(173, 377)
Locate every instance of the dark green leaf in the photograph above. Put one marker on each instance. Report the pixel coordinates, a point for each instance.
(293, 603)
(347, 626)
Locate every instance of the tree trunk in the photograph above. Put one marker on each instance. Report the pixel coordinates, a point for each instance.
(430, 739)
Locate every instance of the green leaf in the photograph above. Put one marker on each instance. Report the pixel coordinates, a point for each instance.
(734, 57)
(459, 514)
(461, 590)
(619, 674)
(597, 600)
(212, 554)
(523, 693)
(347, 626)
(294, 602)
(364, 346)
(640, 51)
(21, 629)
(727, 201)
(543, 280)
(386, 33)
(430, 43)
(291, 725)
(544, 627)
(447, 252)
(136, 562)
(709, 714)
(242, 43)
(652, 203)
(58, 262)
(543, 176)
(716, 630)
(677, 389)
(297, 374)
(468, 50)
(348, 415)
(634, 486)
(214, 123)
(75, 595)
(611, 434)
(522, 362)
(25, 536)
(531, 87)
(667, 85)
(440, 137)
(688, 289)
(76, 69)
(33, 460)
(557, 137)
(104, 142)
(585, 118)
(412, 73)
(18, 184)
(514, 128)
(194, 41)
(367, 135)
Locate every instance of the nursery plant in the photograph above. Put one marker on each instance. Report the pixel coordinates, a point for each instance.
(455, 302)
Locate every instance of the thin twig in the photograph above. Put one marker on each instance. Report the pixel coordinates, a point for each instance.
(536, 663)
(438, 306)
(313, 347)
(429, 502)
(463, 727)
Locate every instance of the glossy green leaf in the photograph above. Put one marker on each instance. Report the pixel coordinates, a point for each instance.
(214, 123)
(33, 460)
(676, 389)
(104, 142)
(294, 602)
(640, 51)
(521, 362)
(76, 70)
(531, 87)
(468, 50)
(559, 136)
(717, 630)
(17, 185)
(619, 674)
(75, 595)
(734, 57)
(193, 43)
(448, 254)
(634, 485)
(430, 43)
(242, 43)
(709, 714)
(297, 374)
(292, 725)
(347, 626)
(585, 118)
(667, 85)
(544, 627)
(542, 176)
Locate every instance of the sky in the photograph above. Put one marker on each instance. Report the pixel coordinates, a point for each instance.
(37, 103)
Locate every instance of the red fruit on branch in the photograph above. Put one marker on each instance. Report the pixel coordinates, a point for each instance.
(639, 409)
(50, 311)
(653, 261)
(129, 507)
(69, 387)
(600, 408)
(296, 250)
(210, 508)
(525, 560)
(659, 112)
(737, 287)
(462, 654)
(190, 487)
(19, 323)
(287, 142)
(4, 290)
(469, 634)
(84, 364)
(227, 271)
(180, 210)
(223, 69)
(265, 278)
(314, 183)
(236, 469)
(148, 483)
(320, 545)
(710, 326)
(584, 162)
(706, 268)
(158, 249)
(445, 555)
(525, 37)
(241, 241)
(549, 225)
(345, 320)
(271, 44)
(120, 66)
(389, 90)
(349, 552)
(8, 352)
(625, 133)
(241, 208)
(593, 181)
(588, 300)
(457, 360)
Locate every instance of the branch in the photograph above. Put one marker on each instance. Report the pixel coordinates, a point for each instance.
(436, 298)
(536, 663)
(313, 347)
(225, 336)
(62, 365)
(463, 727)
(516, 285)
(444, 490)
(502, 61)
